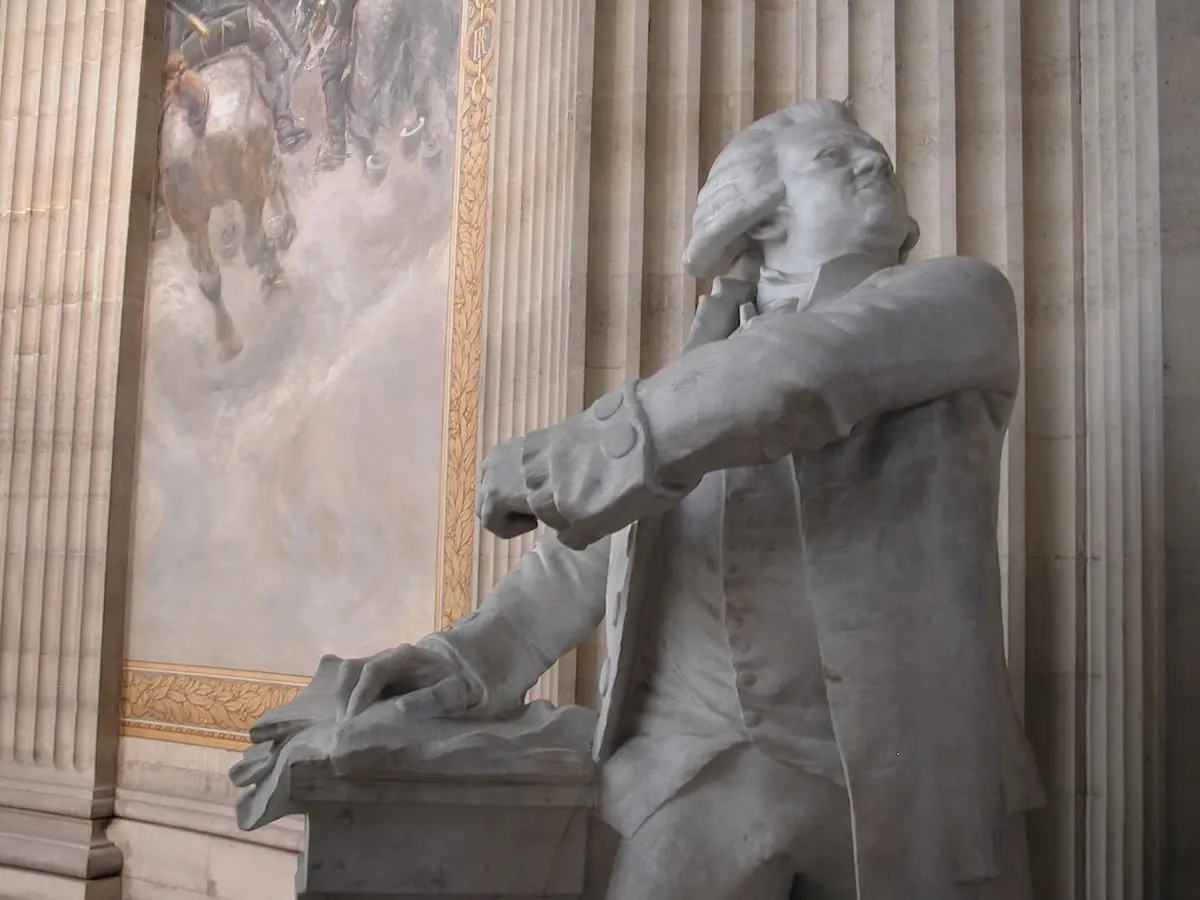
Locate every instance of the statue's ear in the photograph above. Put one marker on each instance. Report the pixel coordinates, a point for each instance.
(914, 235)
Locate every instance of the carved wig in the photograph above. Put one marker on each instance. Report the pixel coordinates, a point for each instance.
(745, 187)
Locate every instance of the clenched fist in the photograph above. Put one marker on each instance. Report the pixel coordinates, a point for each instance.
(503, 504)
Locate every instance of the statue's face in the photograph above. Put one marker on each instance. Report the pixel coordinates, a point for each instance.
(841, 197)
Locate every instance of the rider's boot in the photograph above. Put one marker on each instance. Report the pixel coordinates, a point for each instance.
(291, 134)
(334, 60)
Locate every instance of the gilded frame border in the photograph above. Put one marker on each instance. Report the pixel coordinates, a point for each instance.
(215, 707)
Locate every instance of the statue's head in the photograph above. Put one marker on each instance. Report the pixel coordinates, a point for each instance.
(801, 186)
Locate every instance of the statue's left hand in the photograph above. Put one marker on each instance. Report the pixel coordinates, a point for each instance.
(503, 504)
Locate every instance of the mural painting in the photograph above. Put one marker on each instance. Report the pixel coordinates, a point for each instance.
(293, 421)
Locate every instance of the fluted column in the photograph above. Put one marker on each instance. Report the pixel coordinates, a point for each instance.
(70, 80)
(1023, 132)
(1123, 396)
(671, 73)
(537, 241)
(1055, 521)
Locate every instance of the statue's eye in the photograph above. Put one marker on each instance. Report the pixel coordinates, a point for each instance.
(832, 155)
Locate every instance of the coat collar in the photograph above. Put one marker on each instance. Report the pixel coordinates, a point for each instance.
(731, 305)
(832, 278)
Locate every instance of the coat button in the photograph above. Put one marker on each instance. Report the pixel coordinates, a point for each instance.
(607, 406)
(746, 679)
(751, 718)
(619, 439)
(605, 676)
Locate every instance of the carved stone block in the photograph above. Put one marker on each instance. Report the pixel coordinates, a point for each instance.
(372, 839)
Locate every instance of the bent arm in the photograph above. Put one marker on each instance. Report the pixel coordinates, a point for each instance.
(545, 607)
(789, 383)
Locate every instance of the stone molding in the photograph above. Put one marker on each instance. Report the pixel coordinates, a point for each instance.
(466, 310)
(197, 704)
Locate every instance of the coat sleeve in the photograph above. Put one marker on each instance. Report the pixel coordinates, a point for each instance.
(545, 607)
(788, 383)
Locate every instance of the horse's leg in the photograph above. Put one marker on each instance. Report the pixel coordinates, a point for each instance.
(201, 257)
(259, 249)
(162, 220)
(277, 195)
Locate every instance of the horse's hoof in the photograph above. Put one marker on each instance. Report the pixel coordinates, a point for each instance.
(410, 147)
(331, 156)
(273, 289)
(229, 239)
(281, 231)
(376, 166)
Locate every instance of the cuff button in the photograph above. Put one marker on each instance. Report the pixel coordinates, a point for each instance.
(607, 406)
(619, 439)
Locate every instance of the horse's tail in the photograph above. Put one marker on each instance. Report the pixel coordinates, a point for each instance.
(186, 89)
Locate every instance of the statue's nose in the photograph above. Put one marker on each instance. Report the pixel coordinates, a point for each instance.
(872, 163)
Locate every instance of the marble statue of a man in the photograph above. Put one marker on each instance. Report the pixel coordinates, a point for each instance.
(790, 535)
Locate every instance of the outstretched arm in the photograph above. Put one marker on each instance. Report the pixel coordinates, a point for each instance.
(789, 383)
(545, 607)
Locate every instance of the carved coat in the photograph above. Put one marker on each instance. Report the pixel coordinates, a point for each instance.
(892, 400)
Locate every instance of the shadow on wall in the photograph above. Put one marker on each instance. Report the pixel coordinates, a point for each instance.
(291, 428)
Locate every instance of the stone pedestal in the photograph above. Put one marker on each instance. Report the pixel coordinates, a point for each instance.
(401, 807)
(388, 839)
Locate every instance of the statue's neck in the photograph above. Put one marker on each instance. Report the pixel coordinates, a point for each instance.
(780, 291)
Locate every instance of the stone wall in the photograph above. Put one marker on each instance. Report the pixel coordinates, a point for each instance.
(1054, 138)
(1179, 140)
(78, 112)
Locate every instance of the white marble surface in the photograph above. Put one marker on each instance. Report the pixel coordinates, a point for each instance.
(852, 411)
(399, 806)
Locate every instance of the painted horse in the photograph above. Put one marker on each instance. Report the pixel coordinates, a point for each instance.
(217, 146)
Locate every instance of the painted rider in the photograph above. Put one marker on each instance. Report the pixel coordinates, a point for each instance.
(328, 26)
(204, 29)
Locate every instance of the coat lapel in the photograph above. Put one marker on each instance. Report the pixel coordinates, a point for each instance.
(727, 308)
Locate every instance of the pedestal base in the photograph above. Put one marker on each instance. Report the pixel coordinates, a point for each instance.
(21, 884)
(466, 841)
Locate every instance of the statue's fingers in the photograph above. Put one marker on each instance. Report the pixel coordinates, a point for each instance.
(488, 512)
(349, 676)
(370, 684)
(278, 730)
(446, 699)
(516, 524)
(256, 762)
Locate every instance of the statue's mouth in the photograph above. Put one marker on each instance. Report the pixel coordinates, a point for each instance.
(873, 183)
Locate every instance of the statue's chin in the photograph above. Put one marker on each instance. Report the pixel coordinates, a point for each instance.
(885, 229)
